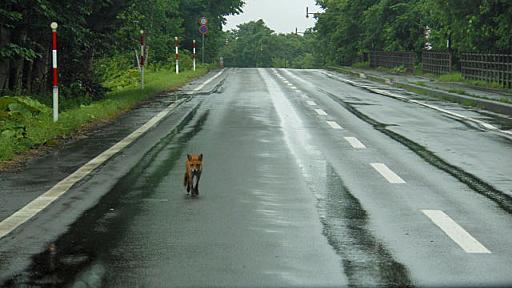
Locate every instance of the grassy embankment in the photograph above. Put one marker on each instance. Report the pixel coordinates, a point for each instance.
(26, 124)
(448, 77)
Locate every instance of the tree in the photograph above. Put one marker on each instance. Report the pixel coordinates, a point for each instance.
(93, 29)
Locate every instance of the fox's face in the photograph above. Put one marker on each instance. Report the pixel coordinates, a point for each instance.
(196, 163)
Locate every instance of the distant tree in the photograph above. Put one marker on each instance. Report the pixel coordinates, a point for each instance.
(349, 28)
(253, 44)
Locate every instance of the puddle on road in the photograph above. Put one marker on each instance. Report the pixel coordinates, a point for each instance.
(366, 261)
(501, 198)
(76, 257)
(500, 121)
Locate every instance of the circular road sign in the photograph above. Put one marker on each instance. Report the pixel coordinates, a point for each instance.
(203, 29)
(203, 21)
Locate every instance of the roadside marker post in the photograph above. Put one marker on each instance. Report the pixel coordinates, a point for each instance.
(55, 91)
(194, 54)
(177, 56)
(142, 56)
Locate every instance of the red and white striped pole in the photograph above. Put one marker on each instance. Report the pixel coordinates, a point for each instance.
(194, 54)
(55, 91)
(177, 56)
(142, 59)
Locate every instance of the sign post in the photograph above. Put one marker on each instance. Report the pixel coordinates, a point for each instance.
(177, 56)
(55, 91)
(203, 30)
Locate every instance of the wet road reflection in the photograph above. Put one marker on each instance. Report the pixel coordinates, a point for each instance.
(77, 256)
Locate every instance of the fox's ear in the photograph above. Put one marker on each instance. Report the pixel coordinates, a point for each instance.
(201, 157)
(189, 157)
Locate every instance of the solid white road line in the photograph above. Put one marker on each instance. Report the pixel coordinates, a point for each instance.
(334, 125)
(451, 113)
(37, 205)
(387, 173)
(320, 112)
(455, 231)
(208, 81)
(311, 103)
(355, 142)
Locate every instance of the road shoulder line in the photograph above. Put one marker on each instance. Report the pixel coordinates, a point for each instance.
(24, 214)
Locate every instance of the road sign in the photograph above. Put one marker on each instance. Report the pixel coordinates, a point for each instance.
(203, 29)
(203, 21)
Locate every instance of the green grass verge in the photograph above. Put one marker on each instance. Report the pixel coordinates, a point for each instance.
(41, 130)
(361, 65)
(458, 91)
(450, 77)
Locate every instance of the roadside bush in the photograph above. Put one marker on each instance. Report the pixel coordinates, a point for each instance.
(185, 61)
(118, 71)
(361, 65)
(16, 115)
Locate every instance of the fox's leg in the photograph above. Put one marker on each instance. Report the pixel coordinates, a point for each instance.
(186, 182)
(197, 185)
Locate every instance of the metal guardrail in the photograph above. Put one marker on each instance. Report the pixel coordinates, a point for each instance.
(487, 67)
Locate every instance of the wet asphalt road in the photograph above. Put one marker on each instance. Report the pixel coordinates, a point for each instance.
(286, 199)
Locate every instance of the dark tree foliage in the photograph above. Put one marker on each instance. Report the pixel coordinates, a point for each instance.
(253, 44)
(93, 29)
(349, 28)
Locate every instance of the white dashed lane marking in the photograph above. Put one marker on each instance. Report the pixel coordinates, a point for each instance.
(455, 232)
(355, 142)
(320, 112)
(334, 125)
(311, 103)
(387, 173)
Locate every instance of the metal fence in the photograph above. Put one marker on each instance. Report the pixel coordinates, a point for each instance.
(393, 59)
(487, 67)
(436, 62)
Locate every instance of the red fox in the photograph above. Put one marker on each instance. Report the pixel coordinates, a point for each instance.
(193, 169)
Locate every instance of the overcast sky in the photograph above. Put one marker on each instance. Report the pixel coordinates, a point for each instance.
(281, 16)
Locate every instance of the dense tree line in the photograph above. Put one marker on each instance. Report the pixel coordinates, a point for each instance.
(253, 44)
(348, 28)
(94, 29)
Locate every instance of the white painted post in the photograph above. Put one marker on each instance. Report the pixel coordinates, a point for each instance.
(177, 56)
(142, 56)
(194, 54)
(55, 91)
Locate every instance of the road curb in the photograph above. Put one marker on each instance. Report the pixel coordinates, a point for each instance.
(490, 105)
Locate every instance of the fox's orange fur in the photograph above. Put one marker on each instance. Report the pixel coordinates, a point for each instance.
(193, 168)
